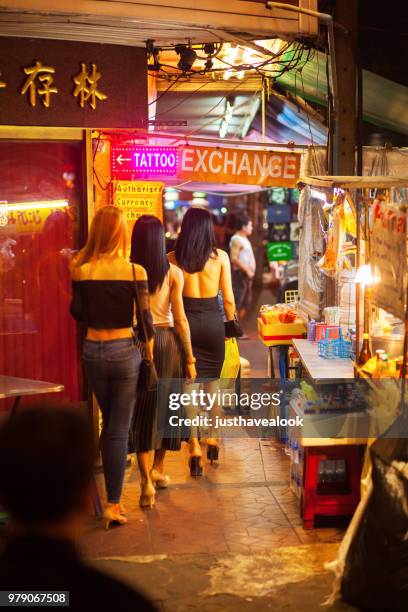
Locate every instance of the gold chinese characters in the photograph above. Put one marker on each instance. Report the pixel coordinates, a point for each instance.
(44, 76)
(86, 89)
(40, 84)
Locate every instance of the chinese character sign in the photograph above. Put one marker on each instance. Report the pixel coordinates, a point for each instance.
(3, 213)
(38, 83)
(72, 84)
(86, 87)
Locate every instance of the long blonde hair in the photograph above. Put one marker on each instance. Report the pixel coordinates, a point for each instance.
(107, 234)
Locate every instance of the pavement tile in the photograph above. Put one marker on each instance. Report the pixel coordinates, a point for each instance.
(242, 504)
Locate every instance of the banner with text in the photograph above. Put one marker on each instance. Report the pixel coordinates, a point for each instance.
(237, 166)
(389, 257)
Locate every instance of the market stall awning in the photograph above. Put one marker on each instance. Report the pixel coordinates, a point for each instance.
(355, 182)
(286, 122)
(385, 103)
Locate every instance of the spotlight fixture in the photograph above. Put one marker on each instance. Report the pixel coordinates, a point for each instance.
(152, 53)
(209, 48)
(208, 65)
(187, 57)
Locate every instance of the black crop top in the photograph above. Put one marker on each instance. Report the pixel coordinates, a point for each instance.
(108, 304)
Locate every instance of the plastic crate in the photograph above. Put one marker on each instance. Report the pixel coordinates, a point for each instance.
(291, 296)
(331, 348)
(278, 334)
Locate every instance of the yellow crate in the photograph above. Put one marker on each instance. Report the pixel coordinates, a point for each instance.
(277, 334)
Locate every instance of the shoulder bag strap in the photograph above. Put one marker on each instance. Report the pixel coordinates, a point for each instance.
(139, 313)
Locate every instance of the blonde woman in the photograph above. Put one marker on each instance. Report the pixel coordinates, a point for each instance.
(103, 298)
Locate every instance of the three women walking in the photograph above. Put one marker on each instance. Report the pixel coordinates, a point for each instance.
(172, 302)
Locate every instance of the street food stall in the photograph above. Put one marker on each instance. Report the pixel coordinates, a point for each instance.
(360, 338)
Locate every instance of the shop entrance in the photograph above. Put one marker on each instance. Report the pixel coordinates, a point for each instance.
(41, 189)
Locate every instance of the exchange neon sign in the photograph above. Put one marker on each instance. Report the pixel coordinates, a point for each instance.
(129, 161)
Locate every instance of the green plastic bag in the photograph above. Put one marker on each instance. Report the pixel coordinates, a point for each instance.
(230, 368)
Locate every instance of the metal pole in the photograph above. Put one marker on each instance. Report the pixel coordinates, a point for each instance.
(263, 111)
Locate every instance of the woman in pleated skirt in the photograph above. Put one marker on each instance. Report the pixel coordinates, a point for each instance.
(172, 353)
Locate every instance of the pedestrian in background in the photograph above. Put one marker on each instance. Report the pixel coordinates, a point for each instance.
(243, 266)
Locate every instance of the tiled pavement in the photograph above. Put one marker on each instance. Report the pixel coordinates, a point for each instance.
(231, 540)
(242, 504)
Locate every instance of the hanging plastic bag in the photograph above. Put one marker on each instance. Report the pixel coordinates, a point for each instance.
(375, 574)
(230, 368)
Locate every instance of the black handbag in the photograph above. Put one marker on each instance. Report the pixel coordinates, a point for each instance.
(233, 328)
(148, 378)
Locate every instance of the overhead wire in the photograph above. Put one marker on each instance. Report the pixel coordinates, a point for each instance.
(185, 98)
(214, 119)
(166, 90)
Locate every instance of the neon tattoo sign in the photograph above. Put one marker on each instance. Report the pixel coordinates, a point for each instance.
(129, 161)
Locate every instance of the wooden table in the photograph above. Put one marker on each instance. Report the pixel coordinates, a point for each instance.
(320, 368)
(10, 386)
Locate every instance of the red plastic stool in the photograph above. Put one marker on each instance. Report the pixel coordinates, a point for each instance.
(336, 491)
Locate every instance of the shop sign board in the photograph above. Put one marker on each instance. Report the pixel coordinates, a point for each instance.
(279, 232)
(3, 213)
(129, 161)
(280, 251)
(279, 213)
(239, 166)
(138, 198)
(72, 84)
(206, 164)
(389, 257)
(30, 217)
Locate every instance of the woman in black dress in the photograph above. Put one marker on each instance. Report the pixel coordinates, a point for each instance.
(206, 271)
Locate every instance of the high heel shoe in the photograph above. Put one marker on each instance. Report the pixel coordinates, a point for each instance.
(147, 493)
(113, 514)
(161, 481)
(212, 452)
(195, 466)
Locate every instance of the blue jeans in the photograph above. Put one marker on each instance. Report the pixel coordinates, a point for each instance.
(112, 368)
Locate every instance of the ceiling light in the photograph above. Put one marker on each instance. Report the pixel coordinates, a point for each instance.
(226, 120)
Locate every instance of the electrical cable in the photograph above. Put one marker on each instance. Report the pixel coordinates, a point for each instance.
(214, 119)
(277, 61)
(167, 90)
(186, 97)
(99, 181)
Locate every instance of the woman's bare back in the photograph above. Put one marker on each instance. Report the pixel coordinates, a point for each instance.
(215, 275)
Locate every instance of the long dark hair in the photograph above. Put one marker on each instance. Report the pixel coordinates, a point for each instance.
(196, 241)
(148, 249)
